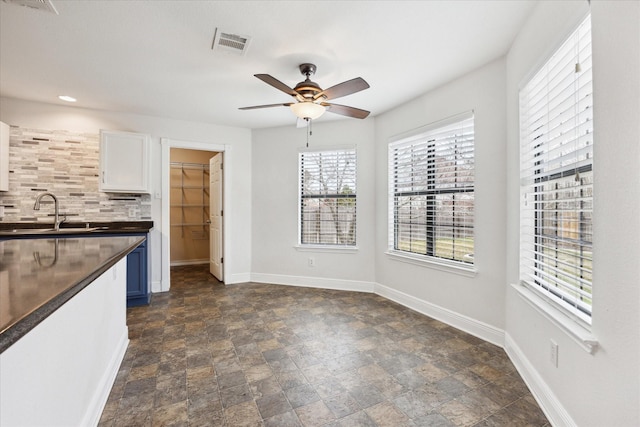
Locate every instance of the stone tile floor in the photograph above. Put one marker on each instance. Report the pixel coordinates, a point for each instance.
(205, 354)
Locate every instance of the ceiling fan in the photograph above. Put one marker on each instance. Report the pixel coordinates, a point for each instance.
(311, 98)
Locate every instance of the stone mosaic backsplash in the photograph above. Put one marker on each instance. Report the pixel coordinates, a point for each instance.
(66, 164)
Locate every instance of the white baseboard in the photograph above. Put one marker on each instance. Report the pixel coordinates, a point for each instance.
(313, 282)
(99, 400)
(549, 403)
(459, 321)
(159, 286)
(230, 279)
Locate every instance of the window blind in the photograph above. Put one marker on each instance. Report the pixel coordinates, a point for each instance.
(431, 191)
(556, 213)
(328, 197)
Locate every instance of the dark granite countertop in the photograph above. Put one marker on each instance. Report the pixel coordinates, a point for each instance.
(37, 276)
(30, 229)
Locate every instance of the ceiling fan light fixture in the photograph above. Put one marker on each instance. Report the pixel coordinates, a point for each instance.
(307, 110)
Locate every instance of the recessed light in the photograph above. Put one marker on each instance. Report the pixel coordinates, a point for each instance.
(67, 98)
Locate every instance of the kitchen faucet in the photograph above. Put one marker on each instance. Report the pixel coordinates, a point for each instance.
(56, 221)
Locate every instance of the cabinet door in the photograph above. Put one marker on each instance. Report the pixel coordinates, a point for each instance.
(137, 289)
(124, 162)
(4, 157)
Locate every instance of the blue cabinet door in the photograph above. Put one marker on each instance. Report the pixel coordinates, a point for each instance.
(137, 287)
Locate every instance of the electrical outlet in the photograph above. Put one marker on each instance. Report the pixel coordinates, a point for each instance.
(311, 262)
(132, 212)
(553, 353)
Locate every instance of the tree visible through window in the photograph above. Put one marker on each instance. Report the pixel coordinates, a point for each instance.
(328, 197)
(431, 194)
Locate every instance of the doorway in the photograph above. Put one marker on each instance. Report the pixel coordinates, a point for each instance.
(189, 207)
(186, 214)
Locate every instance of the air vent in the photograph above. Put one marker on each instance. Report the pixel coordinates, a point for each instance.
(44, 5)
(229, 42)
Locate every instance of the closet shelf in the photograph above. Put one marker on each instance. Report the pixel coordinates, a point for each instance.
(186, 165)
(190, 187)
(194, 176)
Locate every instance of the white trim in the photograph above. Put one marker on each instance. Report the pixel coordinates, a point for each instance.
(459, 321)
(313, 282)
(189, 262)
(327, 248)
(575, 331)
(157, 286)
(343, 147)
(435, 263)
(549, 403)
(231, 279)
(446, 121)
(99, 401)
(166, 145)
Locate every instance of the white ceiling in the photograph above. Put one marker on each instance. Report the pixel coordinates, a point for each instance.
(155, 57)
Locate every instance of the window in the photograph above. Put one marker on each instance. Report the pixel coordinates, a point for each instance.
(328, 197)
(431, 191)
(556, 212)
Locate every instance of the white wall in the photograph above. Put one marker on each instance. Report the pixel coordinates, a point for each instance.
(50, 116)
(475, 304)
(600, 389)
(275, 208)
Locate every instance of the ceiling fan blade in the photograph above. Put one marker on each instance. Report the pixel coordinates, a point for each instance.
(343, 110)
(255, 107)
(276, 83)
(343, 89)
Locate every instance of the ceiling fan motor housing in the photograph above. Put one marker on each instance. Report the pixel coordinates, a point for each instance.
(307, 88)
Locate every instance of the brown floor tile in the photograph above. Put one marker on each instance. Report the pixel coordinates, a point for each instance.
(206, 354)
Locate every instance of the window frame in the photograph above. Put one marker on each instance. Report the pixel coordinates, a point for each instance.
(318, 246)
(420, 138)
(535, 206)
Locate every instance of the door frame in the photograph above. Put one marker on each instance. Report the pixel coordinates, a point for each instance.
(167, 144)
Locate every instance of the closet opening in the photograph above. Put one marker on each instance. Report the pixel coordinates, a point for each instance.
(192, 208)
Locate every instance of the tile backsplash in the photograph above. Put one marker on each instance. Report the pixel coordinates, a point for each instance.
(66, 164)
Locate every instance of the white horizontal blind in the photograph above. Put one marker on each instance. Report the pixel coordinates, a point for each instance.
(328, 197)
(431, 191)
(556, 134)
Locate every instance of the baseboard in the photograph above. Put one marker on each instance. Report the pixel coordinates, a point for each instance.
(459, 321)
(94, 411)
(549, 403)
(230, 279)
(313, 282)
(159, 286)
(189, 262)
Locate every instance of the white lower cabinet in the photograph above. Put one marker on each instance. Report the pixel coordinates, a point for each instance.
(61, 372)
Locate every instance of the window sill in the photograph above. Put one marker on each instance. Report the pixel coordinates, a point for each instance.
(443, 265)
(571, 327)
(326, 248)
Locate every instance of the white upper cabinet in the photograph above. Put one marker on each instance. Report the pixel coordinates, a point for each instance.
(4, 157)
(124, 162)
